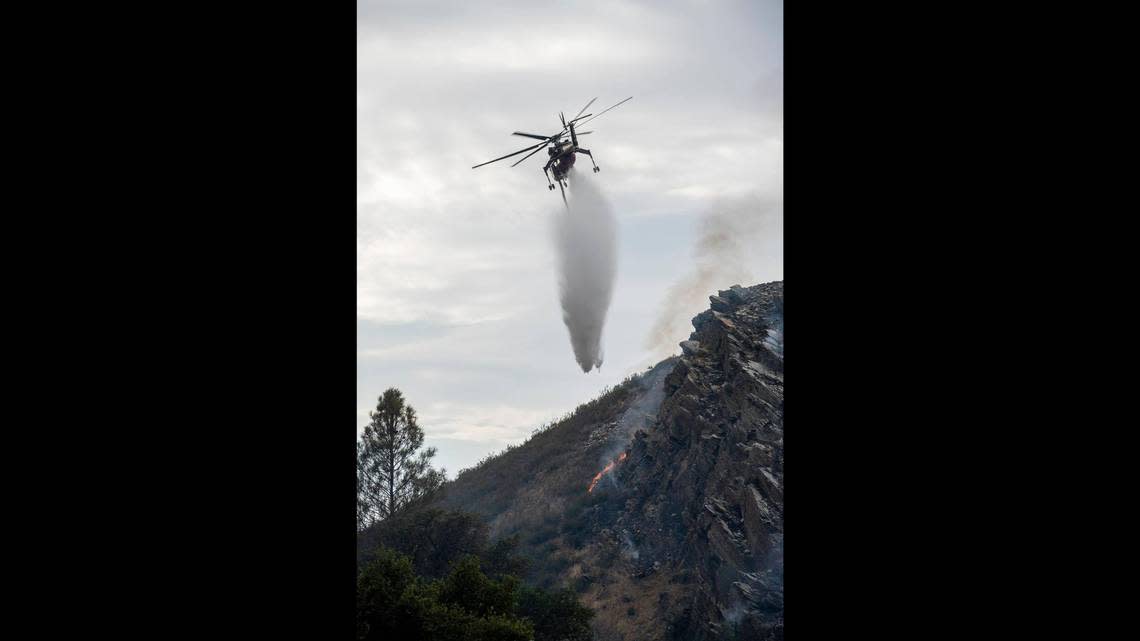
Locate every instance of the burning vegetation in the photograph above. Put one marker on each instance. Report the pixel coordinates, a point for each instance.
(610, 466)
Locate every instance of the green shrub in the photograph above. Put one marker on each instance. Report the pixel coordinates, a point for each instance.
(466, 605)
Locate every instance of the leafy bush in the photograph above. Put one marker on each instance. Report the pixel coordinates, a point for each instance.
(432, 538)
(501, 559)
(466, 605)
(556, 615)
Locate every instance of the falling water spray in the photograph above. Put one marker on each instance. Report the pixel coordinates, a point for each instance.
(586, 242)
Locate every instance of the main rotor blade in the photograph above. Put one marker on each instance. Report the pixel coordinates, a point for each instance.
(586, 107)
(527, 156)
(539, 145)
(579, 118)
(535, 136)
(603, 111)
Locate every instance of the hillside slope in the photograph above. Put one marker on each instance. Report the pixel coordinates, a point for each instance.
(538, 489)
(682, 535)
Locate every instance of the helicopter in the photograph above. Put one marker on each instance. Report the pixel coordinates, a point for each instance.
(561, 152)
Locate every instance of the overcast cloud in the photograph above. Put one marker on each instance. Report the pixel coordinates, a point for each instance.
(457, 292)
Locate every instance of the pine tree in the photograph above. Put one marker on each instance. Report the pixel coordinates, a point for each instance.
(390, 475)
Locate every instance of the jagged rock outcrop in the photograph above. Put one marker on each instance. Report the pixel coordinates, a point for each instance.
(683, 538)
(708, 476)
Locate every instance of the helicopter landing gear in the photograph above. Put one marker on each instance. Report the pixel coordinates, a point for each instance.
(587, 152)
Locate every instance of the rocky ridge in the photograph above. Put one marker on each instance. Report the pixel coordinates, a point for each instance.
(683, 539)
(707, 478)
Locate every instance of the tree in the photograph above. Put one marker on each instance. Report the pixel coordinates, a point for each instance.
(363, 489)
(466, 605)
(432, 538)
(379, 589)
(556, 615)
(390, 475)
(502, 558)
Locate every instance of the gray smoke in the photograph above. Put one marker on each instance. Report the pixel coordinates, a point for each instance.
(726, 235)
(586, 243)
(630, 548)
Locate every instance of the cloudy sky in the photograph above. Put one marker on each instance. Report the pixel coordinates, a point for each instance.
(457, 295)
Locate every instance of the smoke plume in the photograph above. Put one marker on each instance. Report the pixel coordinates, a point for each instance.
(726, 234)
(586, 243)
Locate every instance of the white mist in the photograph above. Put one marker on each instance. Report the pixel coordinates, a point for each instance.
(585, 238)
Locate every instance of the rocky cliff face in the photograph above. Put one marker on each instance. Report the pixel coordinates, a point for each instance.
(682, 535)
(708, 475)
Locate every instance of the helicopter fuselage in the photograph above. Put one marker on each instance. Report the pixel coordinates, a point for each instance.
(561, 152)
(562, 159)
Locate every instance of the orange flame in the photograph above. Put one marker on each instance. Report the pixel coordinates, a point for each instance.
(605, 470)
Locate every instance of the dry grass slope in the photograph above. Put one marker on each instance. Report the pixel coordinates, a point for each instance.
(538, 489)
